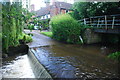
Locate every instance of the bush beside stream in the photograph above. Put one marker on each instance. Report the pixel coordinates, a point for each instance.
(65, 28)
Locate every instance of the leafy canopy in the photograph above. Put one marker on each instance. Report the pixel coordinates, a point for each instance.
(88, 9)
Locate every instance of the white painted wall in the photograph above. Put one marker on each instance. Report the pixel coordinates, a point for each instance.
(46, 16)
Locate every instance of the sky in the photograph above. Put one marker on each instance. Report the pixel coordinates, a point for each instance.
(40, 3)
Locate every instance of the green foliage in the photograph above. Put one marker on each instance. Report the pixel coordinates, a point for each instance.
(88, 9)
(75, 14)
(12, 26)
(115, 56)
(27, 16)
(30, 27)
(49, 34)
(35, 20)
(30, 34)
(25, 37)
(44, 23)
(0, 35)
(82, 8)
(65, 28)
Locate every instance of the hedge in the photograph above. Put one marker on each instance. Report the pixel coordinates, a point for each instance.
(65, 28)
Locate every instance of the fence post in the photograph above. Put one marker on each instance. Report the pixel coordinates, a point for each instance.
(84, 21)
(113, 22)
(98, 22)
(105, 21)
(90, 22)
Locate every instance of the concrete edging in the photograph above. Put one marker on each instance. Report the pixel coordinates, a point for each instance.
(38, 69)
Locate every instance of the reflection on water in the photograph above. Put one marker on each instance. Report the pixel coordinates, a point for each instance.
(17, 67)
(75, 61)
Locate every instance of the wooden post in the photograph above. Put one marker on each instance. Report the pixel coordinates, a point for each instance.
(98, 22)
(105, 21)
(102, 22)
(90, 22)
(113, 22)
(84, 21)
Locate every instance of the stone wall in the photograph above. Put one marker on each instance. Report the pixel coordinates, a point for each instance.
(89, 36)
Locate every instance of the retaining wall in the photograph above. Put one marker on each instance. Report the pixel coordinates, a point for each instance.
(38, 69)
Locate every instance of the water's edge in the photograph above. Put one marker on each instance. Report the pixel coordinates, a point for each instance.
(38, 69)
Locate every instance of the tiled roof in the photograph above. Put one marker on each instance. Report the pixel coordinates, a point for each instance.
(43, 11)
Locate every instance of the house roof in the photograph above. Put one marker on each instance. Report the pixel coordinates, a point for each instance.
(46, 10)
(43, 11)
(63, 5)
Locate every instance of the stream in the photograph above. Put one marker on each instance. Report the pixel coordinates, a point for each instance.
(78, 61)
(17, 66)
(64, 60)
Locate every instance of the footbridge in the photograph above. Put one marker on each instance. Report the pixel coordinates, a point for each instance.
(104, 24)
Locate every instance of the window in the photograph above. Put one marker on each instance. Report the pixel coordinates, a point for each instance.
(48, 15)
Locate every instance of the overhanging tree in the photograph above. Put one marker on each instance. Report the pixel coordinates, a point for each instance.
(88, 9)
(12, 25)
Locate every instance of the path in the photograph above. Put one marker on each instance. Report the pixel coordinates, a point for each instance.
(39, 39)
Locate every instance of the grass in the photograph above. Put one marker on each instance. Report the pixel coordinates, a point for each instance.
(49, 34)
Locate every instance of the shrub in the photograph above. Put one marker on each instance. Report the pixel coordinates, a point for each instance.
(115, 56)
(21, 36)
(30, 27)
(30, 34)
(44, 24)
(25, 37)
(65, 28)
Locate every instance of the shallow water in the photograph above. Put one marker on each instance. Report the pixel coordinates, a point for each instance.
(78, 61)
(74, 61)
(17, 66)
